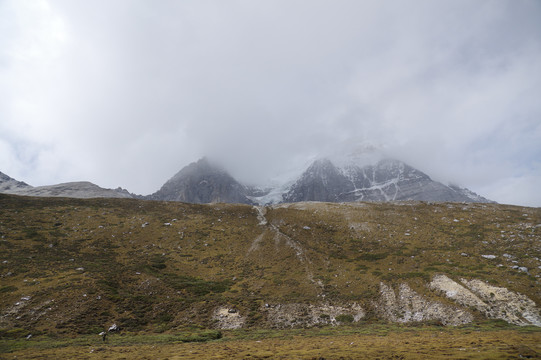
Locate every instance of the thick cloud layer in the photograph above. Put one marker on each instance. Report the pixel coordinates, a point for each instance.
(125, 93)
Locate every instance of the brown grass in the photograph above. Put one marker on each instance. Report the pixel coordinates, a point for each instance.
(380, 342)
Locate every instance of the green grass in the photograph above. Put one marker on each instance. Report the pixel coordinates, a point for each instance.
(46, 342)
(8, 345)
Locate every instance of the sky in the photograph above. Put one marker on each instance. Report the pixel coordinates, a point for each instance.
(126, 93)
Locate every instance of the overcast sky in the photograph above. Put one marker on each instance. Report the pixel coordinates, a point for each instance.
(126, 93)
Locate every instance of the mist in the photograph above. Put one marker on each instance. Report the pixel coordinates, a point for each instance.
(126, 93)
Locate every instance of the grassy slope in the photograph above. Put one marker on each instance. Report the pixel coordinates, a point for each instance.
(88, 263)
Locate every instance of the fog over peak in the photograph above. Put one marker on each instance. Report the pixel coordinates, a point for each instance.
(126, 93)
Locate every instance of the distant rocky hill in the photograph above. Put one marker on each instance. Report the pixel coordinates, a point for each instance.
(10, 185)
(81, 189)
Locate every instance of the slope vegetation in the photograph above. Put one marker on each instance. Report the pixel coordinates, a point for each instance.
(80, 265)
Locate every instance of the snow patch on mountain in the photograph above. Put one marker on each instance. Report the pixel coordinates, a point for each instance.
(271, 196)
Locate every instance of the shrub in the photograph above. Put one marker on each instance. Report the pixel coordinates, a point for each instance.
(6, 289)
(159, 266)
(373, 256)
(13, 333)
(345, 318)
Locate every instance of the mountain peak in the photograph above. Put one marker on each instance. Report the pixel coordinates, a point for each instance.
(322, 181)
(199, 167)
(321, 166)
(202, 182)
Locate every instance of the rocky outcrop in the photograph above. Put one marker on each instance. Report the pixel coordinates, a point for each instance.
(307, 315)
(409, 306)
(228, 318)
(493, 302)
(292, 315)
(401, 305)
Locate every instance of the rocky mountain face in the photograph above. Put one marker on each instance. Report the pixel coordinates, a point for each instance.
(202, 182)
(81, 189)
(387, 180)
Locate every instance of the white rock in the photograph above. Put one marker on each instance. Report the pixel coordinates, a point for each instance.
(494, 302)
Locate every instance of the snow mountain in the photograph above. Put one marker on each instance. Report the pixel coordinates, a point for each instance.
(206, 182)
(387, 180)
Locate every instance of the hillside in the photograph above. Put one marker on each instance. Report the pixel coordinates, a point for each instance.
(79, 265)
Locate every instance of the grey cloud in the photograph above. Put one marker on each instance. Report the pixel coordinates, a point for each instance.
(127, 92)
